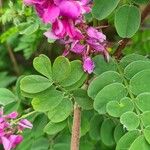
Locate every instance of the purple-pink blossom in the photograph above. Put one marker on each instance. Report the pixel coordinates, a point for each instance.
(88, 65)
(69, 27)
(10, 129)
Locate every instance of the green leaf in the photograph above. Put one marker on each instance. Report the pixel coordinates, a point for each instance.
(86, 145)
(127, 20)
(140, 144)
(61, 146)
(140, 82)
(112, 92)
(131, 58)
(39, 124)
(77, 84)
(33, 95)
(27, 142)
(6, 97)
(147, 134)
(143, 102)
(82, 99)
(126, 140)
(30, 29)
(116, 109)
(108, 127)
(119, 132)
(34, 84)
(43, 65)
(6, 80)
(102, 66)
(85, 125)
(40, 144)
(75, 74)
(135, 67)
(145, 118)
(101, 81)
(47, 101)
(102, 8)
(61, 69)
(53, 128)
(130, 120)
(95, 126)
(61, 112)
(140, 1)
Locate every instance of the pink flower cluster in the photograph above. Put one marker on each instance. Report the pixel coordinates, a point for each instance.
(68, 25)
(9, 130)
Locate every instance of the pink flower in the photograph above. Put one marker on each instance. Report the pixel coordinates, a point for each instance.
(88, 65)
(12, 115)
(9, 135)
(95, 34)
(24, 123)
(11, 141)
(50, 14)
(62, 28)
(28, 2)
(69, 27)
(77, 48)
(70, 9)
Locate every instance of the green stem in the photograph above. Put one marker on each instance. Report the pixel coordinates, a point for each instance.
(129, 91)
(95, 22)
(25, 116)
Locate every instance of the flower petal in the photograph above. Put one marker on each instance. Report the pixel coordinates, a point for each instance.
(24, 123)
(12, 115)
(6, 143)
(93, 33)
(70, 9)
(49, 34)
(50, 14)
(88, 65)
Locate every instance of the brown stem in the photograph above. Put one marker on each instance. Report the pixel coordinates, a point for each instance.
(124, 42)
(75, 139)
(13, 59)
(145, 13)
(10, 52)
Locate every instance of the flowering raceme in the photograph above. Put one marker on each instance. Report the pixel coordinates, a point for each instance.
(10, 129)
(70, 28)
